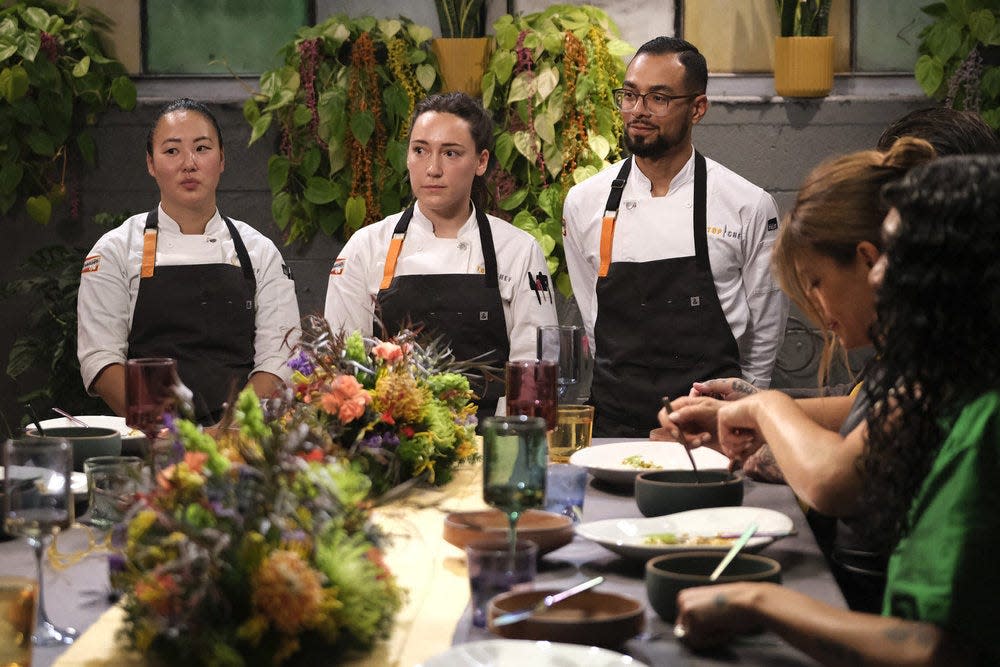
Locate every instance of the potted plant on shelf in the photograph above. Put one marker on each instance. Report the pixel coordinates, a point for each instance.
(803, 54)
(463, 48)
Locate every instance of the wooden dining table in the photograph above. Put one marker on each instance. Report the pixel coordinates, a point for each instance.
(437, 614)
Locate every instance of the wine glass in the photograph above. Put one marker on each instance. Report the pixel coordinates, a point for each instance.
(531, 390)
(151, 390)
(38, 503)
(564, 345)
(515, 460)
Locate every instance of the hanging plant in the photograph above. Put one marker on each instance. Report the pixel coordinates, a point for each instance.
(55, 81)
(549, 86)
(342, 101)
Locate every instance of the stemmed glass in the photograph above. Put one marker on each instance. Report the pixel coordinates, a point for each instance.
(151, 390)
(515, 460)
(38, 503)
(564, 345)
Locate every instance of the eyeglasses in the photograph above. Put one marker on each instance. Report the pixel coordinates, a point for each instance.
(655, 103)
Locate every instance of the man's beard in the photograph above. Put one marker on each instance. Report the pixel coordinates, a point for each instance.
(655, 148)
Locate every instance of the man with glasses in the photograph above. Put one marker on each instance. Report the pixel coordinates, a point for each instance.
(669, 253)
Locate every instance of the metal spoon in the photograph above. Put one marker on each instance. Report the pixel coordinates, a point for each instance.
(697, 478)
(545, 603)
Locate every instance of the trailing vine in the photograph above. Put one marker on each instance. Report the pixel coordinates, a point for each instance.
(549, 84)
(342, 100)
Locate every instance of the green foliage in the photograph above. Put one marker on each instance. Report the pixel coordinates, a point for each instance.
(43, 356)
(342, 102)
(460, 18)
(803, 18)
(951, 65)
(557, 123)
(55, 80)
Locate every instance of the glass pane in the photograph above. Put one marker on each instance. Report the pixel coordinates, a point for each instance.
(198, 37)
(886, 34)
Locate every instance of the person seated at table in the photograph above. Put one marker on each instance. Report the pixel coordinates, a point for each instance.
(443, 264)
(929, 474)
(185, 281)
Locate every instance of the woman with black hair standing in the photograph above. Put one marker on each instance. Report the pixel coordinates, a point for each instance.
(184, 281)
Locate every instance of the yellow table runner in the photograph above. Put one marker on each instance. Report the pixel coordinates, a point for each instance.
(431, 570)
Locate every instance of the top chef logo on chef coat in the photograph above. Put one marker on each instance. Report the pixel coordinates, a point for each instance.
(724, 232)
(772, 224)
(338, 266)
(91, 264)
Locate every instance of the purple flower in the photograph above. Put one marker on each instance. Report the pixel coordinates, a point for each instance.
(301, 363)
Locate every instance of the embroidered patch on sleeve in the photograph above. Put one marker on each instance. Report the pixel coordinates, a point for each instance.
(338, 266)
(287, 270)
(91, 264)
(772, 224)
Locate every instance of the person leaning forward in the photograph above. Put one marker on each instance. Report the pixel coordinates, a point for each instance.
(185, 281)
(669, 253)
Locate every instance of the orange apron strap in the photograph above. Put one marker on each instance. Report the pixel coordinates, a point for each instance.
(148, 253)
(607, 236)
(395, 246)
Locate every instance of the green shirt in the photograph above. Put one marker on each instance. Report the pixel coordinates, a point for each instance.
(945, 570)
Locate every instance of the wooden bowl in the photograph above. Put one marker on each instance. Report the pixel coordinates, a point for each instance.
(546, 529)
(595, 618)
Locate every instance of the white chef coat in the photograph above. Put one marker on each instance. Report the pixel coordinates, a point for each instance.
(357, 273)
(742, 226)
(109, 286)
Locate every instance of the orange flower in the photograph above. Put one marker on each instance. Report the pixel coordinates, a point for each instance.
(347, 398)
(287, 592)
(388, 351)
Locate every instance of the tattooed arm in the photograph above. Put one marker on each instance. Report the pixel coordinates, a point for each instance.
(711, 615)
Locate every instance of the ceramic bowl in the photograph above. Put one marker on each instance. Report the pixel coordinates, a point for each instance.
(87, 441)
(668, 575)
(546, 529)
(596, 618)
(663, 492)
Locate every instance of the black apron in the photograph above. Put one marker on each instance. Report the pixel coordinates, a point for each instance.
(202, 315)
(660, 326)
(466, 309)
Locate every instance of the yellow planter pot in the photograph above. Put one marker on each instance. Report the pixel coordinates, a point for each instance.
(803, 66)
(462, 61)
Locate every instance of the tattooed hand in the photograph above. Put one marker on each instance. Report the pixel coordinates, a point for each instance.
(762, 467)
(725, 389)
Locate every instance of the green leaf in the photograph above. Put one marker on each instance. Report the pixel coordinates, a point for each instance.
(251, 112)
(10, 176)
(310, 162)
(546, 81)
(547, 243)
(330, 220)
(124, 93)
(419, 33)
(41, 143)
(525, 220)
(562, 281)
(14, 83)
(580, 174)
(395, 154)
(506, 35)
(504, 148)
(396, 100)
(943, 40)
(937, 10)
(514, 200)
(990, 83)
(260, 128)
(362, 126)
(81, 68)
(319, 190)
(489, 87)
(550, 200)
(545, 129)
(600, 145)
(23, 355)
(30, 42)
(281, 209)
(301, 116)
(281, 99)
(553, 155)
(929, 74)
(354, 213)
(426, 76)
(526, 145)
(957, 10)
(277, 172)
(39, 208)
(981, 24)
(7, 50)
(88, 149)
(521, 88)
(336, 154)
(502, 65)
(36, 17)
(390, 27)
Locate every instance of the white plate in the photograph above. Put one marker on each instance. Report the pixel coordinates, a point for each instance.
(605, 462)
(101, 421)
(627, 536)
(77, 480)
(517, 653)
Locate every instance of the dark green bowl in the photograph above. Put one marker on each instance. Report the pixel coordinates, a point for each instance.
(87, 441)
(660, 492)
(669, 574)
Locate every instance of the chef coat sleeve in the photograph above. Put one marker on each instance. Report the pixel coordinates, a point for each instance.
(768, 305)
(102, 308)
(582, 273)
(350, 305)
(277, 318)
(530, 308)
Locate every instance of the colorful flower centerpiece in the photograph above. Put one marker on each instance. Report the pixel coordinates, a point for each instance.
(255, 546)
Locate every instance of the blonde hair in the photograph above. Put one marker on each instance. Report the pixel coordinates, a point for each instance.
(838, 206)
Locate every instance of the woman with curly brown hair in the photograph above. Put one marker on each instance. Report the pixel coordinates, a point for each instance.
(930, 469)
